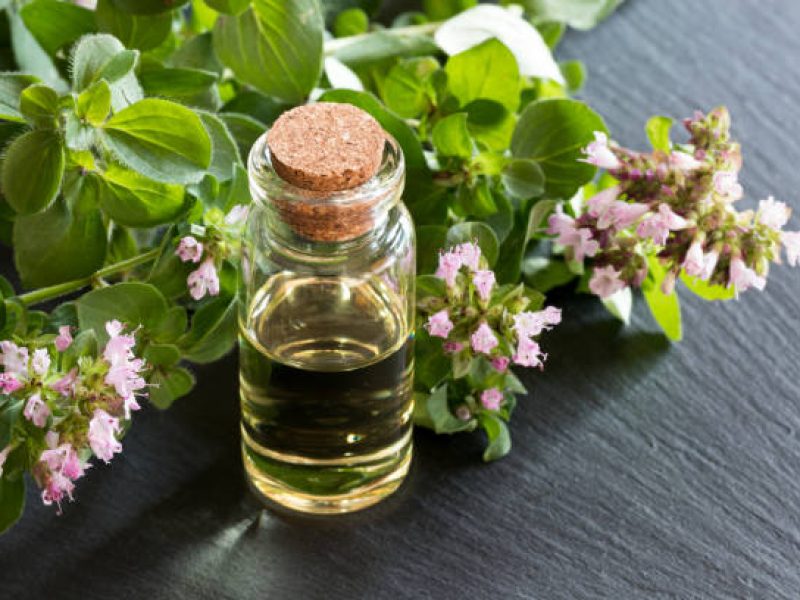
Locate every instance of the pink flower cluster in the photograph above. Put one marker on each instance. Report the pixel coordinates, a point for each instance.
(78, 410)
(676, 206)
(203, 280)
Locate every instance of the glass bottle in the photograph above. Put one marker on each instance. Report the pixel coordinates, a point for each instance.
(326, 338)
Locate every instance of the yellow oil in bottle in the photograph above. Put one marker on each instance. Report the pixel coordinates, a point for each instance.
(326, 376)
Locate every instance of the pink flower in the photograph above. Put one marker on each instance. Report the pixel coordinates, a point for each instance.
(559, 223)
(698, 264)
(491, 399)
(529, 354)
(500, 363)
(63, 466)
(658, 225)
(726, 183)
(484, 282)
(743, 277)
(8, 383)
(791, 242)
(599, 154)
(204, 280)
(14, 359)
(102, 435)
(64, 338)
(582, 244)
(58, 485)
(470, 255)
(3, 456)
(684, 161)
(123, 372)
(189, 249)
(601, 206)
(449, 264)
(626, 214)
(605, 281)
(773, 214)
(36, 410)
(66, 385)
(41, 361)
(452, 347)
(483, 340)
(439, 324)
(237, 215)
(531, 324)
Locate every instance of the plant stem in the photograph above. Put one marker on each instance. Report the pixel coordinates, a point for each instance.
(62, 289)
(333, 46)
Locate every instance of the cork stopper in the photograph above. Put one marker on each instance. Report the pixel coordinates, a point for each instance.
(326, 147)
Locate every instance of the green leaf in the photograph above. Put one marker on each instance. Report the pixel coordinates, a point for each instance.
(476, 200)
(431, 239)
(244, 129)
(490, 123)
(351, 21)
(9, 415)
(444, 9)
(497, 433)
(378, 46)
(502, 221)
(405, 136)
(439, 412)
(619, 304)
(58, 245)
(256, 105)
(544, 274)
(430, 286)
(574, 72)
(523, 178)
(707, 291)
(275, 46)
(551, 32)
(41, 152)
(12, 501)
(213, 331)
(172, 326)
(552, 132)
(224, 151)
(580, 14)
(132, 303)
(139, 32)
(102, 56)
(29, 55)
(161, 139)
(133, 200)
(162, 354)
(229, 7)
(665, 308)
(197, 52)
(182, 84)
(487, 71)
(451, 137)
(405, 91)
(94, 103)
(657, 130)
(431, 364)
(147, 7)
(121, 245)
(39, 103)
(476, 232)
(56, 24)
(526, 222)
(11, 87)
(167, 385)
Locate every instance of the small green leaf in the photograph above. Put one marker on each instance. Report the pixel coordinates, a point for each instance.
(229, 7)
(102, 56)
(451, 137)
(574, 72)
(10, 411)
(487, 71)
(133, 200)
(287, 36)
(405, 91)
(94, 103)
(172, 326)
(56, 24)
(140, 32)
(188, 86)
(523, 178)
(665, 308)
(475, 232)
(490, 123)
(12, 501)
(444, 9)
(351, 21)
(256, 105)
(553, 132)
(476, 200)
(167, 385)
(244, 129)
(657, 130)
(213, 331)
(707, 291)
(431, 364)
(497, 433)
(121, 245)
(132, 303)
(224, 151)
(502, 221)
(162, 354)
(41, 152)
(11, 87)
(537, 220)
(430, 286)
(161, 139)
(75, 245)
(439, 412)
(39, 103)
(147, 7)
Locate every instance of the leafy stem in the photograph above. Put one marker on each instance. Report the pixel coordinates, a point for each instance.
(335, 45)
(62, 289)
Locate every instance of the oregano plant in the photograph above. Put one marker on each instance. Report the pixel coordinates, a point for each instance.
(125, 125)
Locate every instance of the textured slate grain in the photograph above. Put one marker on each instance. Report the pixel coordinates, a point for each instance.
(640, 469)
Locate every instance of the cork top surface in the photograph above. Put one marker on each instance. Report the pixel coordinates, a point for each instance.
(326, 146)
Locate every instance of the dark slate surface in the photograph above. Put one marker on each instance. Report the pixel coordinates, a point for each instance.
(640, 469)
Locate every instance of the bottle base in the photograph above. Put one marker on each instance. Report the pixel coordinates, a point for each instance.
(383, 480)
